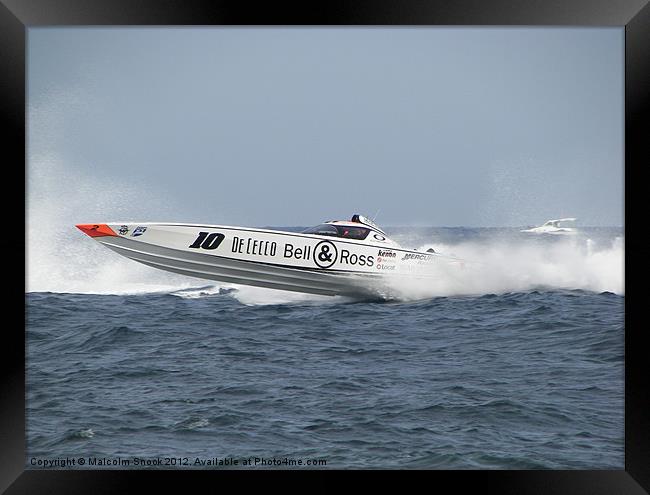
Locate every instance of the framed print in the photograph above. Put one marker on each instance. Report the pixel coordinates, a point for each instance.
(376, 238)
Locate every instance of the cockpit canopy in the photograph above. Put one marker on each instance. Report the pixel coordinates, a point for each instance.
(345, 231)
(366, 221)
(358, 229)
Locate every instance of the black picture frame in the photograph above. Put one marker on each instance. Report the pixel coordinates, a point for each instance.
(16, 16)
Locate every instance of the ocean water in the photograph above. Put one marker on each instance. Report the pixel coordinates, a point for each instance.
(513, 361)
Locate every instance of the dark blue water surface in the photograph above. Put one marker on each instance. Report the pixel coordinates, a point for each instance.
(532, 379)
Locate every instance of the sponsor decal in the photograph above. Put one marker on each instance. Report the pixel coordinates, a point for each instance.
(138, 231)
(414, 256)
(124, 229)
(325, 254)
(385, 256)
(253, 246)
(379, 237)
(207, 240)
(381, 266)
(298, 253)
(356, 259)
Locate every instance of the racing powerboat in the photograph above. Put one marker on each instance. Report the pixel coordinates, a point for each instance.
(353, 258)
(554, 227)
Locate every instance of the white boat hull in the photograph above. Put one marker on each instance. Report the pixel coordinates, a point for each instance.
(272, 259)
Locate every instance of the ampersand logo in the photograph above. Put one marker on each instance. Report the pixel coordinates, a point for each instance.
(325, 254)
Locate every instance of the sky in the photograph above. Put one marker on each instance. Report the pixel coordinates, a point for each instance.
(294, 126)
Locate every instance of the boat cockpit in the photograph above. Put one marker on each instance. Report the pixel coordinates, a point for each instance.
(358, 228)
(334, 230)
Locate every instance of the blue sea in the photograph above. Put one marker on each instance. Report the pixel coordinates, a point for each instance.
(517, 362)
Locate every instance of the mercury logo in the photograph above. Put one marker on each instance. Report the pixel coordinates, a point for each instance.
(414, 256)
